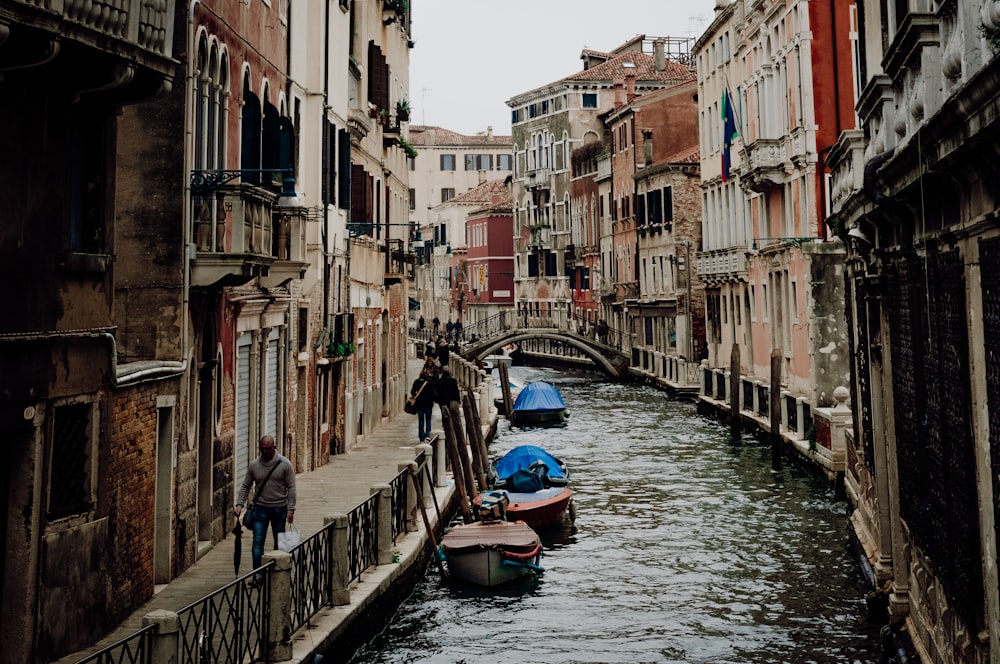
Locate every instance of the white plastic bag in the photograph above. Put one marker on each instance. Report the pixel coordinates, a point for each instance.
(289, 539)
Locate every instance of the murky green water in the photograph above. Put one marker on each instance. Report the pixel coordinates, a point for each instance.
(686, 548)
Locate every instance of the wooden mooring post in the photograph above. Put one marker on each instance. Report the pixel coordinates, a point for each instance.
(775, 406)
(735, 419)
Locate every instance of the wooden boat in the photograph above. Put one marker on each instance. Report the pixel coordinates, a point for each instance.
(538, 404)
(536, 485)
(491, 551)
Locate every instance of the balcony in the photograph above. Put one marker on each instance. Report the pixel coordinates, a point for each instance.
(720, 266)
(763, 165)
(399, 263)
(239, 230)
(122, 47)
(537, 179)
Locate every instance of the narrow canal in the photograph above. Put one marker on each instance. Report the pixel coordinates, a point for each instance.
(686, 548)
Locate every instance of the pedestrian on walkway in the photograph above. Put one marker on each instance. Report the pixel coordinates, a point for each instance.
(273, 481)
(443, 351)
(423, 393)
(448, 396)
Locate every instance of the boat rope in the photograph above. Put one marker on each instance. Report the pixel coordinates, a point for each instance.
(516, 555)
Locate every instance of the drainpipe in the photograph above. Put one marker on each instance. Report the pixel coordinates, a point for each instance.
(118, 378)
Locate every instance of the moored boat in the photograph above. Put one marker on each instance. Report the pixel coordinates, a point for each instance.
(492, 551)
(538, 404)
(536, 485)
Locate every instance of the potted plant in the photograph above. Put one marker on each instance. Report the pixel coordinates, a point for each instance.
(403, 110)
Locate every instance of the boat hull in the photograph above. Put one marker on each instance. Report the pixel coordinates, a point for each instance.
(546, 508)
(537, 418)
(491, 554)
(542, 509)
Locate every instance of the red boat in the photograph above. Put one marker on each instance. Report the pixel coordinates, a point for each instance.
(536, 485)
(543, 508)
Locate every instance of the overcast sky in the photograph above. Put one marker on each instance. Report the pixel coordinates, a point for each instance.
(471, 56)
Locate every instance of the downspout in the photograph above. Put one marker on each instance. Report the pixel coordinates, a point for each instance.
(189, 247)
(119, 376)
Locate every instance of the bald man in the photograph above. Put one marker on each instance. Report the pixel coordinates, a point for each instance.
(273, 480)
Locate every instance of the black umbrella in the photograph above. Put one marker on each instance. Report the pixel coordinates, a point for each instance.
(237, 547)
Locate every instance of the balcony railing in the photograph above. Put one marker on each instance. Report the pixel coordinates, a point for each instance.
(537, 179)
(138, 22)
(763, 164)
(240, 229)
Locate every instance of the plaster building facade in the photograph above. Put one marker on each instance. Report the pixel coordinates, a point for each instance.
(914, 197)
(449, 164)
(548, 124)
(775, 89)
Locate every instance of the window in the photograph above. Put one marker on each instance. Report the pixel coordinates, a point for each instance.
(86, 179)
(70, 485)
(447, 193)
(479, 162)
(504, 162)
(447, 162)
(668, 205)
(413, 199)
(590, 100)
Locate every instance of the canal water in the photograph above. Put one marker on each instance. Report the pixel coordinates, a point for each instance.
(686, 548)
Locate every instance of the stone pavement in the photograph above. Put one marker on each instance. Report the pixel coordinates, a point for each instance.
(336, 487)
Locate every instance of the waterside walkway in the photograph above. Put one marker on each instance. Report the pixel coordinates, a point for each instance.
(335, 488)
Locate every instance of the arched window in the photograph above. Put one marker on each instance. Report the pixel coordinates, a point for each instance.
(250, 134)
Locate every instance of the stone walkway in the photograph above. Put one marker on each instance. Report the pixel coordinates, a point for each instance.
(336, 487)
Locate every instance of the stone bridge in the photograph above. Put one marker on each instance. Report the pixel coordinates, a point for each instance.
(599, 343)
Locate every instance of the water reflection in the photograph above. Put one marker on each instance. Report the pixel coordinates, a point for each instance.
(685, 548)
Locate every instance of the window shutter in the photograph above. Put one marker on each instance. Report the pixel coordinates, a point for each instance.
(378, 77)
(344, 159)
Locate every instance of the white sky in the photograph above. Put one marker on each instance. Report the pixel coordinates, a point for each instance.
(471, 56)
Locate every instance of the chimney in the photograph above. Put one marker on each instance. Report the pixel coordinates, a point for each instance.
(619, 87)
(629, 87)
(482, 177)
(489, 131)
(658, 55)
(647, 146)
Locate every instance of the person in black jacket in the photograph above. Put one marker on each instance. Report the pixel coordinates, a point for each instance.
(423, 393)
(448, 396)
(443, 351)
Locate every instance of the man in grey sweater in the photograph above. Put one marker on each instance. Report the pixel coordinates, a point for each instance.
(273, 480)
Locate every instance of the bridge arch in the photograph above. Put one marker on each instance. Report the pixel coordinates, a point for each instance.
(607, 358)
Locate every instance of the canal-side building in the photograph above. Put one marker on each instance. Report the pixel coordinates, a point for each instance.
(379, 255)
(443, 275)
(914, 197)
(775, 90)
(486, 279)
(90, 388)
(448, 164)
(548, 124)
(656, 225)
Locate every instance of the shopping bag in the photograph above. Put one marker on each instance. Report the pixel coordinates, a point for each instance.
(289, 539)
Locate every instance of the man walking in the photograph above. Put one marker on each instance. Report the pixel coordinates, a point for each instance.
(273, 503)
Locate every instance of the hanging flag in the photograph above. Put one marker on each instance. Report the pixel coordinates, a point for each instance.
(729, 133)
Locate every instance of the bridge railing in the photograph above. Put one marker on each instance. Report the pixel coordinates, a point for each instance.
(509, 321)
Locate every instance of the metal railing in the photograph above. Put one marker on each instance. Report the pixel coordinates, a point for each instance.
(232, 623)
(229, 625)
(362, 530)
(133, 649)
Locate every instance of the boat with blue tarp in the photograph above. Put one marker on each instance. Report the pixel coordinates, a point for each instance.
(538, 404)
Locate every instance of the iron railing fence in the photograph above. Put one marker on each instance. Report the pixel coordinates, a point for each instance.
(400, 493)
(231, 624)
(312, 575)
(133, 649)
(228, 626)
(362, 536)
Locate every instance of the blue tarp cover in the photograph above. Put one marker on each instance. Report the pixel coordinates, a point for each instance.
(522, 456)
(539, 396)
